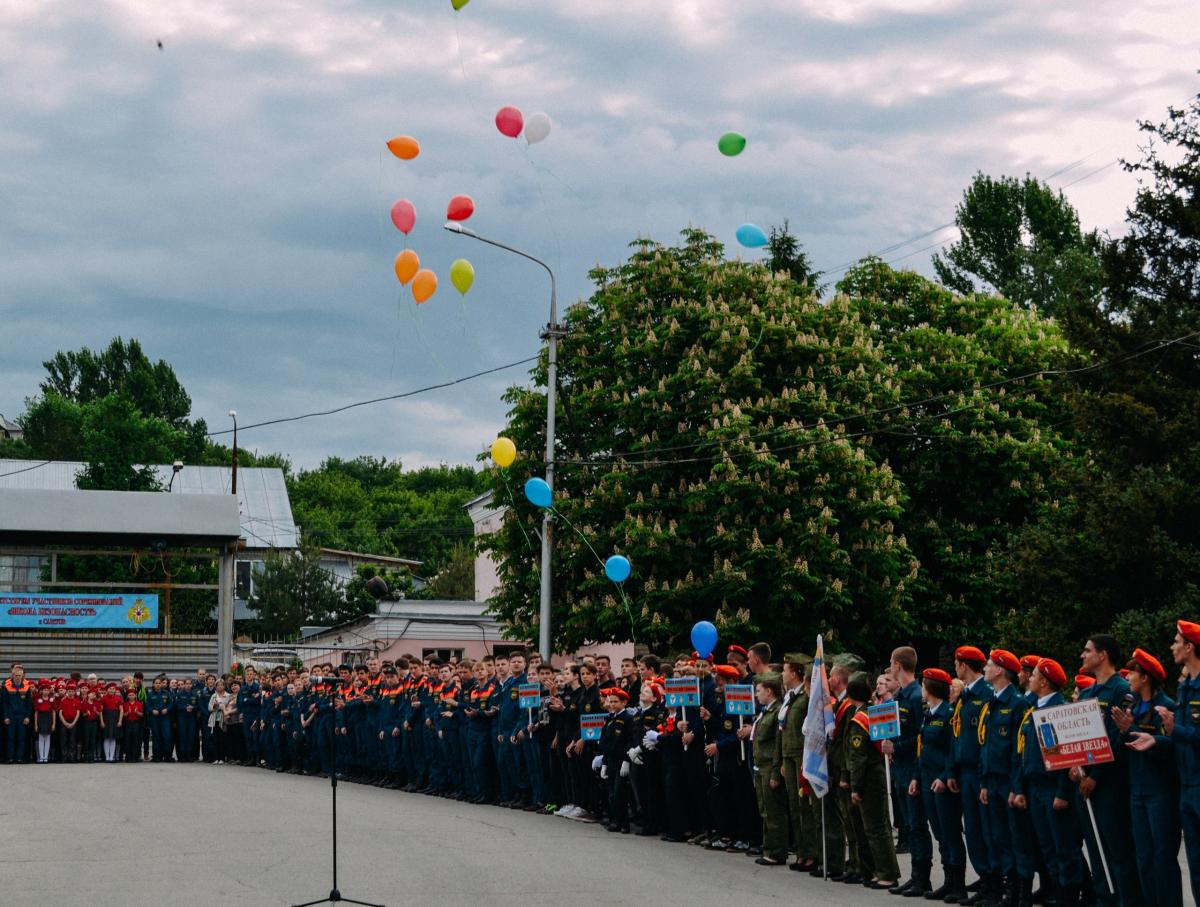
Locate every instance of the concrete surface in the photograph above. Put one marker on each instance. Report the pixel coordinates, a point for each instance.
(183, 835)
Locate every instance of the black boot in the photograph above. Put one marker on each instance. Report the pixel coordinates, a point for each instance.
(1067, 895)
(940, 892)
(992, 892)
(958, 885)
(920, 881)
(1011, 889)
(1025, 892)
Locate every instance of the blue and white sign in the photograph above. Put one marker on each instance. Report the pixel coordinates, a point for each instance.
(77, 611)
(682, 691)
(884, 720)
(592, 726)
(739, 699)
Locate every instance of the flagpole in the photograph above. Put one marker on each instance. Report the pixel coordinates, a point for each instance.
(824, 843)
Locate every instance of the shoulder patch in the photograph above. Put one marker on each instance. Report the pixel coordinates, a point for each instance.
(856, 742)
(729, 724)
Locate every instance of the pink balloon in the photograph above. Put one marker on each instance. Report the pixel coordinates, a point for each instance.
(509, 121)
(404, 215)
(460, 208)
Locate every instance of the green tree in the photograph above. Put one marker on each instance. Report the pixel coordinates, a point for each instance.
(1023, 240)
(456, 580)
(293, 591)
(115, 439)
(788, 256)
(359, 601)
(699, 436)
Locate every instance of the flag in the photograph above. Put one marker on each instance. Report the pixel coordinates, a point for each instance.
(818, 725)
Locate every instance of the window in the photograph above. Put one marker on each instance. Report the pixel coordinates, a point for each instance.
(442, 654)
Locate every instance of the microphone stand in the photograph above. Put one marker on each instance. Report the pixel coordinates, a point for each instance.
(335, 896)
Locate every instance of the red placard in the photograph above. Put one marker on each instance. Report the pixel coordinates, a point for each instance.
(1072, 734)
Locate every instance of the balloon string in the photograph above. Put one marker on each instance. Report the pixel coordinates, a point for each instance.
(513, 502)
(620, 587)
(416, 320)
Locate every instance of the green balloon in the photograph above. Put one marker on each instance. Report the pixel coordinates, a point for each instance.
(459, 4)
(731, 144)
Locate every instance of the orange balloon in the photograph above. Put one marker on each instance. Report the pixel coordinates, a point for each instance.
(404, 147)
(407, 265)
(424, 285)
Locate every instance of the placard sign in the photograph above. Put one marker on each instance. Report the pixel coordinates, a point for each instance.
(739, 699)
(1072, 734)
(78, 611)
(682, 691)
(530, 695)
(884, 720)
(590, 726)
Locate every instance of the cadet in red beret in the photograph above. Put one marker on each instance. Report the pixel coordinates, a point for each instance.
(1183, 728)
(964, 773)
(1044, 797)
(942, 808)
(1012, 853)
(1153, 782)
(1028, 663)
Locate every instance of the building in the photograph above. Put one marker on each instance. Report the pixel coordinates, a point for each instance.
(264, 510)
(487, 519)
(343, 565)
(9, 430)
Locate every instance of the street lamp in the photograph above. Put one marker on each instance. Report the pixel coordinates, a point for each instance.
(551, 334)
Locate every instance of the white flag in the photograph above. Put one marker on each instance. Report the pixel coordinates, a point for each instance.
(818, 726)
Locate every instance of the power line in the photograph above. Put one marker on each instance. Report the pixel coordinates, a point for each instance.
(16, 472)
(348, 406)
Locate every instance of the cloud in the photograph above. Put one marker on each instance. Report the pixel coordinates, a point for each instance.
(225, 200)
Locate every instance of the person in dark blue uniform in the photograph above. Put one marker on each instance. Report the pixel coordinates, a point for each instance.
(964, 777)
(903, 751)
(1011, 851)
(16, 707)
(158, 707)
(1106, 787)
(942, 809)
(249, 707)
(187, 711)
(1153, 784)
(1046, 796)
(1182, 728)
(615, 741)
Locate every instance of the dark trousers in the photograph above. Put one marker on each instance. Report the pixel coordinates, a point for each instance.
(944, 812)
(16, 732)
(1156, 834)
(88, 737)
(1189, 817)
(134, 735)
(912, 815)
(479, 744)
(68, 742)
(160, 732)
(187, 736)
(973, 821)
(648, 787)
(618, 798)
(1110, 800)
(1057, 832)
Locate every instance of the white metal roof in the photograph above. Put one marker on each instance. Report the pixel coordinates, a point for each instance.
(264, 509)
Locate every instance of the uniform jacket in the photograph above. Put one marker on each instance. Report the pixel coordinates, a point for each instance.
(964, 723)
(1186, 735)
(1028, 767)
(999, 723)
(935, 747)
(768, 744)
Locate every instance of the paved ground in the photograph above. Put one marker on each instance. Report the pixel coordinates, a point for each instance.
(181, 835)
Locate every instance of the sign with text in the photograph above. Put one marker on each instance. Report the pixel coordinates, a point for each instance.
(530, 695)
(884, 720)
(77, 611)
(590, 726)
(1072, 734)
(739, 699)
(682, 691)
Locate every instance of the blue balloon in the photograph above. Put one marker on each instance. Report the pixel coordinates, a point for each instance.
(751, 236)
(617, 568)
(704, 638)
(539, 493)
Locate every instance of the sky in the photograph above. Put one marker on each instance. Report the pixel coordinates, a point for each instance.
(225, 199)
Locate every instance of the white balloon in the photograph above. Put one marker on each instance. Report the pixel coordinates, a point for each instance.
(537, 127)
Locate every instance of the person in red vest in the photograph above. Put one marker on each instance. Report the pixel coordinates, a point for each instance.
(69, 709)
(130, 722)
(44, 719)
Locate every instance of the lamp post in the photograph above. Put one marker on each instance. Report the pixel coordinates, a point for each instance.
(551, 334)
(233, 416)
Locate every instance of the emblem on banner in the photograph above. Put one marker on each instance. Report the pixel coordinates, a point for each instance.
(139, 613)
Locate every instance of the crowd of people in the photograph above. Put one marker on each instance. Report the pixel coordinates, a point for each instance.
(585, 743)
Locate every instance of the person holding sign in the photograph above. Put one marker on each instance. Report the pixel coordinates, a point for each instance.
(942, 808)
(1045, 794)
(1153, 784)
(646, 760)
(869, 791)
(1106, 786)
(768, 782)
(802, 807)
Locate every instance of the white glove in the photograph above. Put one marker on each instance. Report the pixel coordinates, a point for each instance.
(597, 762)
(635, 755)
(604, 773)
(650, 741)
(624, 769)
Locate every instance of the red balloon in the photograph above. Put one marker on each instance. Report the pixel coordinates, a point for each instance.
(404, 215)
(509, 121)
(460, 208)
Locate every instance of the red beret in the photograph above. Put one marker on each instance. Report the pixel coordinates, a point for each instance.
(72, 685)
(1150, 665)
(936, 674)
(616, 691)
(1083, 681)
(1189, 631)
(1029, 662)
(1003, 658)
(729, 672)
(968, 653)
(1124, 672)
(1053, 672)
(656, 688)
(740, 651)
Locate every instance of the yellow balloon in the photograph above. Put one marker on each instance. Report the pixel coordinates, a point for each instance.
(504, 452)
(424, 285)
(462, 275)
(407, 265)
